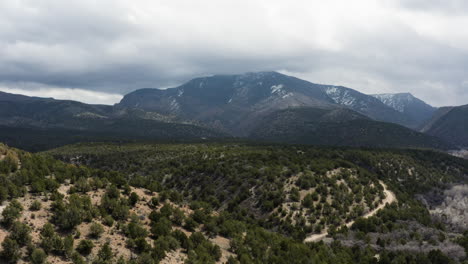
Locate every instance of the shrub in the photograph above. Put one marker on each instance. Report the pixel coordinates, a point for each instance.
(133, 199)
(96, 230)
(161, 228)
(85, 247)
(11, 213)
(20, 233)
(105, 253)
(108, 220)
(11, 250)
(77, 258)
(35, 206)
(38, 256)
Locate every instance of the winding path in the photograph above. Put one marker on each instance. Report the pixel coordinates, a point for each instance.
(389, 199)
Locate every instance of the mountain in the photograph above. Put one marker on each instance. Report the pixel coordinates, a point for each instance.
(35, 123)
(236, 103)
(415, 109)
(450, 124)
(213, 107)
(19, 110)
(339, 127)
(233, 103)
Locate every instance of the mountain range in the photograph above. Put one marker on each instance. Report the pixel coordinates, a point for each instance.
(262, 105)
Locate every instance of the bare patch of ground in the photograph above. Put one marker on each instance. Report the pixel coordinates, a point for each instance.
(117, 240)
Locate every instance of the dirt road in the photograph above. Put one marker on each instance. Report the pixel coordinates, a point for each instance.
(389, 199)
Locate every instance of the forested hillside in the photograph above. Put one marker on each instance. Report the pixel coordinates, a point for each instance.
(298, 191)
(67, 213)
(339, 127)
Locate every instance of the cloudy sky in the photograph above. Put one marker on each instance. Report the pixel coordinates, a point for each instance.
(96, 50)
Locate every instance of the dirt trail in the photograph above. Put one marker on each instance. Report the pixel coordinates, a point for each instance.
(389, 199)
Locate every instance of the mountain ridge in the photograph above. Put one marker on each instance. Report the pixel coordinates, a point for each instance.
(234, 103)
(216, 106)
(414, 108)
(339, 127)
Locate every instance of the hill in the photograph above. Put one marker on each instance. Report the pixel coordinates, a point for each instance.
(339, 127)
(450, 124)
(67, 213)
(62, 213)
(299, 191)
(39, 123)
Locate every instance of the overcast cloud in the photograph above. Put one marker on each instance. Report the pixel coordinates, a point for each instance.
(92, 51)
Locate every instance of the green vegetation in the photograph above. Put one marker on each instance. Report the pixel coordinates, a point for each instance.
(339, 127)
(291, 190)
(150, 200)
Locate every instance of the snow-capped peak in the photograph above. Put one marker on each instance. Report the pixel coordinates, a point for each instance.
(398, 101)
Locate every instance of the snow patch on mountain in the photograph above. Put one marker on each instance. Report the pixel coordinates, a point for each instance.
(398, 102)
(340, 96)
(276, 88)
(279, 91)
(174, 105)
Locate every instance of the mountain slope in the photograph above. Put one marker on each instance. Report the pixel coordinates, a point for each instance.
(54, 212)
(235, 103)
(297, 190)
(366, 104)
(417, 110)
(232, 103)
(435, 117)
(450, 124)
(340, 127)
(46, 112)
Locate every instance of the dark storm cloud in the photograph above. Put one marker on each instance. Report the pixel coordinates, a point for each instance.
(116, 46)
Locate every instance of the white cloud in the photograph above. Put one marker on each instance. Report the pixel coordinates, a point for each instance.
(116, 46)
